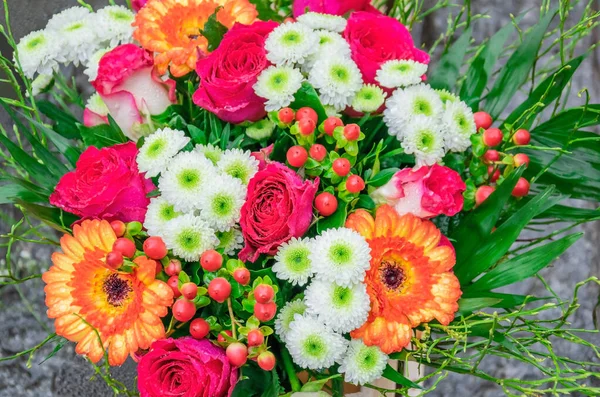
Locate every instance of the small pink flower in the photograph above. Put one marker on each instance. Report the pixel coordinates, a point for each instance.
(426, 192)
(138, 4)
(335, 7)
(129, 86)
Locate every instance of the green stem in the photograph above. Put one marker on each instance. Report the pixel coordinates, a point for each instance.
(338, 387)
(289, 369)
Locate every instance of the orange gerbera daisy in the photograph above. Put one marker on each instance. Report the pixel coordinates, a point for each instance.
(171, 28)
(97, 307)
(410, 280)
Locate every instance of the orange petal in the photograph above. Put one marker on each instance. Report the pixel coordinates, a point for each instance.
(362, 222)
(117, 350)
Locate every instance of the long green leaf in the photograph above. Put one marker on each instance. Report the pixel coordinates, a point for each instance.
(469, 305)
(507, 301)
(12, 193)
(66, 125)
(101, 136)
(36, 170)
(445, 75)
(570, 214)
(64, 145)
(395, 376)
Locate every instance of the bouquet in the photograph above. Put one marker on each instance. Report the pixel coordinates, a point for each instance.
(274, 198)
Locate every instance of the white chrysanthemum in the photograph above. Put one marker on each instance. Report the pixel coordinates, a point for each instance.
(67, 16)
(189, 236)
(91, 69)
(362, 364)
(77, 35)
(407, 105)
(97, 105)
(260, 130)
(41, 84)
(331, 45)
(286, 316)
(344, 309)
(159, 213)
(313, 345)
(316, 21)
(278, 84)
(292, 262)
(424, 138)
(211, 152)
(222, 201)
(290, 43)
(239, 164)
(458, 124)
(446, 96)
(337, 79)
(37, 53)
(114, 25)
(368, 99)
(231, 241)
(188, 176)
(159, 149)
(341, 256)
(400, 73)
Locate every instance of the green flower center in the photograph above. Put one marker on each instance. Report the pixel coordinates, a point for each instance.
(278, 80)
(189, 239)
(403, 67)
(213, 155)
(461, 122)
(426, 141)
(156, 148)
(225, 238)
(342, 297)
(75, 26)
(340, 74)
(291, 38)
(340, 254)
(314, 346)
(222, 204)
(423, 106)
(237, 170)
(297, 260)
(32, 44)
(189, 179)
(119, 15)
(167, 212)
(366, 358)
(324, 40)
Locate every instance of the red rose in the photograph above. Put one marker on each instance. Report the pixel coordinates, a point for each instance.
(335, 7)
(105, 184)
(228, 74)
(185, 367)
(277, 208)
(375, 39)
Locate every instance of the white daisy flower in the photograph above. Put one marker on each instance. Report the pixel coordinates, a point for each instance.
(113, 25)
(91, 69)
(362, 364)
(222, 201)
(400, 73)
(41, 84)
(446, 96)
(211, 152)
(159, 213)
(37, 53)
(97, 105)
(159, 149)
(278, 84)
(313, 345)
(67, 16)
(425, 140)
(239, 164)
(344, 309)
(189, 175)
(337, 79)
(331, 45)
(458, 124)
(286, 316)
(231, 241)
(316, 20)
(409, 104)
(368, 99)
(292, 262)
(76, 32)
(340, 256)
(260, 130)
(189, 236)
(290, 43)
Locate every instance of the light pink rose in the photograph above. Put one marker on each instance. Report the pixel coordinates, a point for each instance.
(335, 7)
(93, 119)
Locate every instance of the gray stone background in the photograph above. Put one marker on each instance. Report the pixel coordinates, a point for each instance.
(23, 323)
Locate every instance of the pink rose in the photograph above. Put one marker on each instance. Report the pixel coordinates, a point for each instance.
(263, 156)
(185, 367)
(127, 82)
(335, 7)
(426, 192)
(375, 39)
(105, 184)
(277, 208)
(228, 74)
(93, 119)
(138, 4)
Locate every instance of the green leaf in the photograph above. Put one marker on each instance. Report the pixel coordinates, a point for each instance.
(213, 30)
(382, 177)
(65, 124)
(365, 202)
(307, 96)
(64, 145)
(469, 305)
(101, 136)
(317, 385)
(446, 73)
(395, 376)
(570, 214)
(265, 12)
(36, 170)
(59, 345)
(335, 220)
(514, 74)
(51, 216)
(507, 301)
(198, 136)
(11, 193)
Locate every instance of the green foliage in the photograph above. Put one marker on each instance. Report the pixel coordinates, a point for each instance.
(445, 75)
(213, 31)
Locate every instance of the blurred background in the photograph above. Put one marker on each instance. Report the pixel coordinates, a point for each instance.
(23, 323)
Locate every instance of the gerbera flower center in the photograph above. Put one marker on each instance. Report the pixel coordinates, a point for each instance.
(116, 289)
(392, 275)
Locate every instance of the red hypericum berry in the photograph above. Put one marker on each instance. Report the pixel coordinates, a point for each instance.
(482, 120)
(189, 290)
(159, 267)
(241, 275)
(352, 132)
(496, 174)
(355, 184)
(331, 123)
(264, 293)
(155, 248)
(183, 310)
(173, 282)
(306, 126)
(326, 203)
(124, 246)
(118, 227)
(522, 137)
(297, 156)
(520, 159)
(286, 115)
(199, 328)
(265, 311)
(307, 112)
(173, 268)
(255, 338)
(482, 193)
(219, 289)
(211, 260)
(341, 166)
(221, 338)
(521, 188)
(266, 361)
(318, 152)
(289, 20)
(491, 156)
(492, 137)
(114, 259)
(237, 353)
